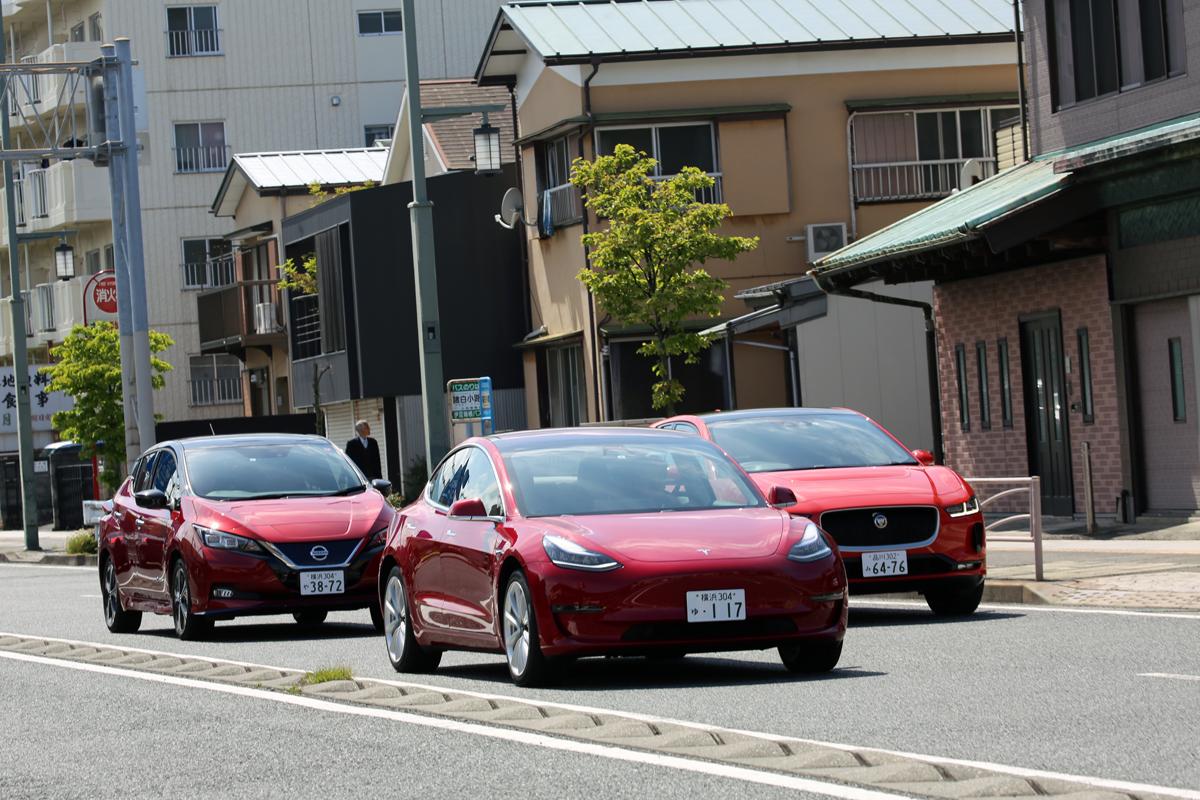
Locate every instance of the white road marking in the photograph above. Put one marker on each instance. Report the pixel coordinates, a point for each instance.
(92, 596)
(515, 736)
(1127, 786)
(1169, 675)
(1117, 612)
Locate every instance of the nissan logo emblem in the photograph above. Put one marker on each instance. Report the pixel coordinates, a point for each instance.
(320, 552)
(880, 521)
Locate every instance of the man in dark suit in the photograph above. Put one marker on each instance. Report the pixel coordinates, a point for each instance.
(364, 451)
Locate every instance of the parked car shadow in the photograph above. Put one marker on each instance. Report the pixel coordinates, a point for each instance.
(879, 617)
(695, 671)
(277, 632)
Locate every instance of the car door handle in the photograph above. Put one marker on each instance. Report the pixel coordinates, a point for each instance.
(139, 522)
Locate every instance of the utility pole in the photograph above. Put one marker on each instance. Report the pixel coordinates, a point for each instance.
(420, 212)
(20, 356)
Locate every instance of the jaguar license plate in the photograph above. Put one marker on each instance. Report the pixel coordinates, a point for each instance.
(884, 563)
(326, 582)
(716, 605)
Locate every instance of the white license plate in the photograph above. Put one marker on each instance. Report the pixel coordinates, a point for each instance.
(883, 563)
(717, 605)
(328, 582)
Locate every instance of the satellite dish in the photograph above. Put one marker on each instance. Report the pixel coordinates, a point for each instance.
(511, 208)
(972, 172)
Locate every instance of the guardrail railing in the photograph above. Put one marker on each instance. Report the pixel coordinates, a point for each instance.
(912, 180)
(1031, 487)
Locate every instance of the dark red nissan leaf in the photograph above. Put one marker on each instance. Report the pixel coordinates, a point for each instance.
(220, 527)
(548, 545)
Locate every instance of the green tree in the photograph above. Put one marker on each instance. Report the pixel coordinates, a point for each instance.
(300, 278)
(645, 263)
(87, 367)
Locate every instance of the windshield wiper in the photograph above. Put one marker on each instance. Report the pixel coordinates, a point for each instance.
(343, 492)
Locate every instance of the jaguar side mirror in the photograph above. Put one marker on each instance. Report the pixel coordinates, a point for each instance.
(924, 458)
(781, 497)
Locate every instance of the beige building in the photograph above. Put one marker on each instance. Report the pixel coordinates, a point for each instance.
(220, 77)
(815, 130)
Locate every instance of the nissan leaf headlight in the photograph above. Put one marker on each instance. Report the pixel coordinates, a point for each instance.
(219, 540)
(811, 547)
(965, 508)
(565, 553)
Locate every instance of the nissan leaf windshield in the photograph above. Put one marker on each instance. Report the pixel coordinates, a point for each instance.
(807, 441)
(271, 471)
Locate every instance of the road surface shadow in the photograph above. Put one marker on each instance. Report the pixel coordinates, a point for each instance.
(695, 671)
(879, 617)
(276, 632)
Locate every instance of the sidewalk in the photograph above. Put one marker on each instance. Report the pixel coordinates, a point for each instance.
(53, 544)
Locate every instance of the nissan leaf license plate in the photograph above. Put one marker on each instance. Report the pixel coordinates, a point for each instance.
(718, 605)
(884, 563)
(325, 582)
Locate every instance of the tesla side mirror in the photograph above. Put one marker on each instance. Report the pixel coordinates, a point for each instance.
(382, 486)
(924, 457)
(150, 498)
(471, 508)
(781, 497)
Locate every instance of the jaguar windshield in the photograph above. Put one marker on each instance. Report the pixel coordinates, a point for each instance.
(270, 471)
(807, 441)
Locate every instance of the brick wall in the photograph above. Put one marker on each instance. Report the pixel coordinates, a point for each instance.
(989, 309)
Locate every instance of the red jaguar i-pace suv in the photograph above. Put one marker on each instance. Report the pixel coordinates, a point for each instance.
(220, 527)
(902, 523)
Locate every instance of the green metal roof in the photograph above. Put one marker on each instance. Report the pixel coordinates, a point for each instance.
(962, 216)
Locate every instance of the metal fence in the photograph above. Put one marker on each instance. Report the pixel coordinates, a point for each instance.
(1031, 488)
(209, 274)
(912, 180)
(214, 391)
(204, 158)
(199, 42)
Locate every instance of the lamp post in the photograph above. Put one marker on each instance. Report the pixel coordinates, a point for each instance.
(487, 148)
(64, 261)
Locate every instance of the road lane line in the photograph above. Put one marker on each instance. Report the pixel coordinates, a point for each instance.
(514, 736)
(11, 565)
(1116, 612)
(1117, 785)
(1170, 675)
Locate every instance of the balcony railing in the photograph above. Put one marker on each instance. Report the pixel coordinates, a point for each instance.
(211, 274)
(561, 206)
(912, 180)
(44, 307)
(714, 194)
(19, 199)
(232, 313)
(216, 391)
(199, 42)
(306, 327)
(35, 193)
(207, 158)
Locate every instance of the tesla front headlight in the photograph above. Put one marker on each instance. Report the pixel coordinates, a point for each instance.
(219, 540)
(811, 547)
(565, 553)
(965, 508)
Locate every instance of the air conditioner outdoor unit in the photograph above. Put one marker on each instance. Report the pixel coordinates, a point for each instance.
(264, 318)
(824, 239)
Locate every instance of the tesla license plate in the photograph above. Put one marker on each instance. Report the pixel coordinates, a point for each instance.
(328, 582)
(718, 605)
(884, 563)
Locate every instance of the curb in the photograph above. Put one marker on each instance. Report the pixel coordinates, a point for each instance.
(51, 559)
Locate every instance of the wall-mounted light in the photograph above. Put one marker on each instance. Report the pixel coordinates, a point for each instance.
(487, 148)
(64, 261)
(335, 100)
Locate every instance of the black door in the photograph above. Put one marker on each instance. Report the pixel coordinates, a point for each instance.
(1046, 411)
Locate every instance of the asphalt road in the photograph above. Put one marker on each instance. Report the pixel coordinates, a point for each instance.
(1036, 688)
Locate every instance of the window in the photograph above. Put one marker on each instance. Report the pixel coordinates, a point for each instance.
(687, 427)
(78, 33)
(1178, 396)
(164, 470)
(964, 399)
(143, 472)
(207, 263)
(96, 27)
(215, 380)
(380, 23)
(200, 147)
(110, 258)
(92, 260)
(375, 133)
(1006, 407)
(560, 201)
(985, 400)
(480, 482)
(676, 146)
(564, 381)
(443, 489)
(1101, 47)
(192, 31)
(1085, 375)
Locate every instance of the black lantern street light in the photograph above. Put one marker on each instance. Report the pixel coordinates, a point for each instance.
(487, 148)
(64, 261)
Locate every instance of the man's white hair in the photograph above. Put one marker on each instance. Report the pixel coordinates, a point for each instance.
(362, 423)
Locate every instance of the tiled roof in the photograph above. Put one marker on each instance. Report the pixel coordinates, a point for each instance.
(454, 137)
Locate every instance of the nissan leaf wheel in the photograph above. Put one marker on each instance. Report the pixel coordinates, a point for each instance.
(116, 618)
(187, 625)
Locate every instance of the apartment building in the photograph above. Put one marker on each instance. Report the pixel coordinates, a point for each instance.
(816, 127)
(1067, 296)
(219, 77)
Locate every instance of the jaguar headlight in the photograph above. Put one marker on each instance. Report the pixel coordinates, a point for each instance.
(965, 508)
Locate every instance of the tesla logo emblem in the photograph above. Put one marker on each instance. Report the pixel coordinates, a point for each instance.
(319, 553)
(880, 521)
(703, 550)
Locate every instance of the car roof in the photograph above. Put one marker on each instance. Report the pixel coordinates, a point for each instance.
(246, 439)
(557, 437)
(754, 413)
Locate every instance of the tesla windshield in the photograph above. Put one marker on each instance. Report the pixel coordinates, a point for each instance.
(626, 477)
(806, 441)
(266, 471)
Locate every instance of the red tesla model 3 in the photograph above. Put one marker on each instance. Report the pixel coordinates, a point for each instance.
(902, 524)
(544, 545)
(226, 526)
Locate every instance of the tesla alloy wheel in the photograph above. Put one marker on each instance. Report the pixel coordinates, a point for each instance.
(526, 663)
(116, 618)
(402, 648)
(187, 624)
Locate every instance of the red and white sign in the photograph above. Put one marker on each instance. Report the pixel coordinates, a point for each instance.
(100, 298)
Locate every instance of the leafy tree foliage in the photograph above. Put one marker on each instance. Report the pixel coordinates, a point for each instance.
(87, 366)
(646, 264)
